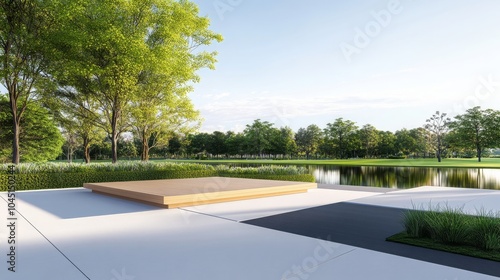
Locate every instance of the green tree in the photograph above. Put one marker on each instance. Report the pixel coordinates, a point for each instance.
(175, 145)
(387, 144)
(198, 143)
(236, 143)
(258, 135)
(437, 125)
(40, 139)
(420, 137)
(156, 120)
(405, 142)
(116, 47)
(283, 141)
(341, 136)
(70, 144)
(308, 139)
(217, 143)
(77, 114)
(477, 129)
(369, 138)
(127, 148)
(24, 29)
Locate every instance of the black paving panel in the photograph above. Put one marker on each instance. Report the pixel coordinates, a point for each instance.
(366, 226)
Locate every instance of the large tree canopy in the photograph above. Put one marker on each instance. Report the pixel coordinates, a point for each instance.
(40, 140)
(477, 129)
(259, 136)
(308, 139)
(25, 26)
(341, 136)
(129, 53)
(437, 126)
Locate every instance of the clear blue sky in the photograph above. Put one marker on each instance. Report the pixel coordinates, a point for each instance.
(296, 63)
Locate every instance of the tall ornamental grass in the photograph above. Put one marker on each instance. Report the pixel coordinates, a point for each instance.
(453, 226)
(266, 169)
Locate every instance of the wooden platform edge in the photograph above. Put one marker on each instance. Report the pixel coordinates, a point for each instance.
(232, 195)
(233, 198)
(132, 199)
(201, 198)
(135, 195)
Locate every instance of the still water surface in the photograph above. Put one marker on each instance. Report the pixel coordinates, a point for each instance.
(404, 177)
(407, 177)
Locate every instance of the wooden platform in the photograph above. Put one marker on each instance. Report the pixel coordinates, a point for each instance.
(190, 192)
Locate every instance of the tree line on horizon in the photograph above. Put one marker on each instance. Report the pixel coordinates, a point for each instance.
(472, 134)
(469, 135)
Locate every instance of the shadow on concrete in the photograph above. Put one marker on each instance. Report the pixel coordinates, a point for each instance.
(80, 203)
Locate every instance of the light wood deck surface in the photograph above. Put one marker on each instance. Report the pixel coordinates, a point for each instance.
(175, 193)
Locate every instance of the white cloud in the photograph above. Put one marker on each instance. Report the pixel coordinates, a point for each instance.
(234, 114)
(216, 97)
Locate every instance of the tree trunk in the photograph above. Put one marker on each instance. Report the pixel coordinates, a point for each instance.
(86, 150)
(69, 153)
(478, 149)
(114, 134)
(114, 147)
(86, 154)
(15, 142)
(439, 149)
(145, 149)
(16, 129)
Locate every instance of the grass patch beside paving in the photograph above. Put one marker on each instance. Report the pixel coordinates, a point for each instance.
(430, 162)
(429, 243)
(451, 230)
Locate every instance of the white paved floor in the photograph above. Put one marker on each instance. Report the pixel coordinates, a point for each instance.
(469, 200)
(76, 234)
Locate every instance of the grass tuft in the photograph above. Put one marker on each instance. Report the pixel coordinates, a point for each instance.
(449, 226)
(486, 230)
(451, 229)
(416, 224)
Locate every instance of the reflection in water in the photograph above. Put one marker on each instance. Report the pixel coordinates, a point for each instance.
(404, 177)
(407, 177)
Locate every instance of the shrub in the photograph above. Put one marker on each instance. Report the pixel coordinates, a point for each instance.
(396, 157)
(64, 175)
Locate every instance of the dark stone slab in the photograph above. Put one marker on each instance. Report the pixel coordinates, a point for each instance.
(366, 226)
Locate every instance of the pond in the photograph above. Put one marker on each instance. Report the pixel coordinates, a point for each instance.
(403, 177)
(407, 177)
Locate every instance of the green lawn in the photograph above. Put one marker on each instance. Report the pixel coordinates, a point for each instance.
(456, 249)
(464, 163)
